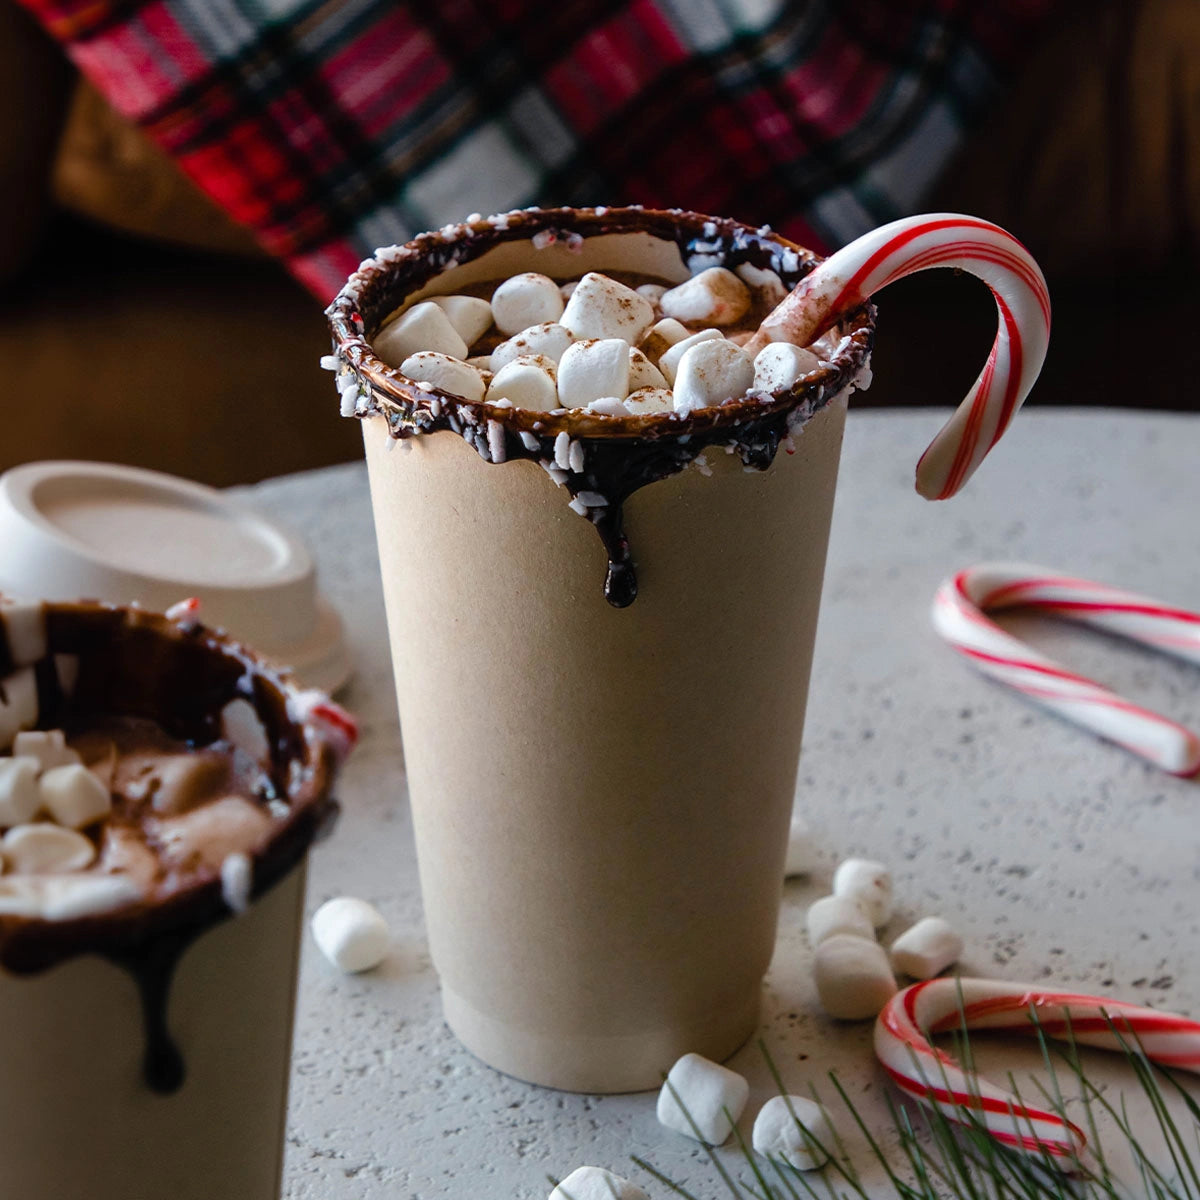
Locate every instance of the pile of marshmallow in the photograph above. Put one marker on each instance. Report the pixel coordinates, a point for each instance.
(704, 1101)
(597, 344)
(854, 974)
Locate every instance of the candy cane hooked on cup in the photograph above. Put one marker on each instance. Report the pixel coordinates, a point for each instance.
(959, 609)
(929, 1075)
(850, 276)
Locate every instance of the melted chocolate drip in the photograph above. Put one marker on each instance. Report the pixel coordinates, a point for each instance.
(620, 455)
(152, 967)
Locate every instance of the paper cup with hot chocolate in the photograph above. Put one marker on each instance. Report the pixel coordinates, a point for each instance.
(159, 789)
(602, 479)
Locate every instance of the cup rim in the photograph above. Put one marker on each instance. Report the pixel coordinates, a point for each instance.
(382, 282)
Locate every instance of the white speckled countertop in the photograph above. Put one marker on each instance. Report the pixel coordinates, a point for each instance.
(1060, 858)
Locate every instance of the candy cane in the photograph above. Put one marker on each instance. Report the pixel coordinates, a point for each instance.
(929, 1075)
(958, 615)
(336, 725)
(846, 279)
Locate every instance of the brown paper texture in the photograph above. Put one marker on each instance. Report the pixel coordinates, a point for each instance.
(76, 1118)
(601, 797)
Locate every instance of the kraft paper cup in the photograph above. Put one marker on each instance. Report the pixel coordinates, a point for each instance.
(601, 795)
(80, 998)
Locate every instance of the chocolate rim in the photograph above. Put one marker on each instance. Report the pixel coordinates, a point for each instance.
(303, 766)
(382, 283)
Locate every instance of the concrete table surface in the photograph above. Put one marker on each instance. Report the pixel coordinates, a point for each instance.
(1063, 860)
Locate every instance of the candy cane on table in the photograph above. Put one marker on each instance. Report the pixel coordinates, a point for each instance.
(903, 1029)
(959, 616)
(848, 277)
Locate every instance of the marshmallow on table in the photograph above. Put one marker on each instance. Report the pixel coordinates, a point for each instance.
(591, 369)
(19, 797)
(762, 281)
(74, 796)
(45, 849)
(470, 315)
(853, 977)
(702, 1099)
(716, 297)
(48, 746)
(926, 948)
(603, 308)
(548, 339)
(832, 915)
(800, 852)
(595, 1183)
(643, 373)
(779, 365)
(351, 933)
(445, 373)
(711, 372)
(795, 1131)
(662, 336)
(524, 300)
(18, 704)
(870, 883)
(423, 327)
(668, 361)
(529, 381)
(24, 630)
(650, 400)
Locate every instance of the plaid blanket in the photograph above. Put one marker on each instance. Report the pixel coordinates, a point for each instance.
(330, 127)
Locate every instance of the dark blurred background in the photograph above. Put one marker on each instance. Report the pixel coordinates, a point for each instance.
(139, 324)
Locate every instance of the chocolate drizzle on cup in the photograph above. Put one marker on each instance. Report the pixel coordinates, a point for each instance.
(601, 460)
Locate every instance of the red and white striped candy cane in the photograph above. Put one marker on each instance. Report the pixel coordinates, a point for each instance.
(959, 610)
(847, 278)
(315, 709)
(920, 1070)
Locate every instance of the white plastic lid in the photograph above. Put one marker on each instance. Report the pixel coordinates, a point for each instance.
(81, 530)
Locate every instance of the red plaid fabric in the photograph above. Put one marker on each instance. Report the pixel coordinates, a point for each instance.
(330, 128)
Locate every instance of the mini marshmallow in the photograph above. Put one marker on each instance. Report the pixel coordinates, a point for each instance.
(764, 283)
(19, 798)
(668, 361)
(445, 373)
(351, 933)
(48, 746)
(665, 334)
(23, 628)
(602, 308)
(833, 915)
(714, 297)
(591, 369)
(595, 1183)
(650, 400)
(18, 704)
(566, 289)
(609, 406)
(471, 316)
(927, 948)
(710, 373)
(550, 339)
(652, 291)
(69, 897)
(241, 728)
(853, 977)
(793, 1130)
(45, 849)
(74, 796)
(801, 857)
(529, 381)
(779, 365)
(482, 363)
(705, 1092)
(524, 300)
(642, 372)
(870, 883)
(237, 881)
(423, 327)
